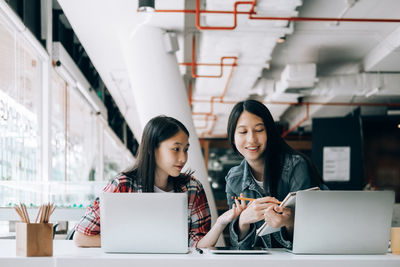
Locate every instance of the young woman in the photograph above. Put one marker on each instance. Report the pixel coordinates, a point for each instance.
(161, 157)
(270, 170)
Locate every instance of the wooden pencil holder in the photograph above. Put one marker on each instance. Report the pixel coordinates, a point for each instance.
(34, 239)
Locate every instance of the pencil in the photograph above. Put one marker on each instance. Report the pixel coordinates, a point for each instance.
(199, 250)
(251, 199)
(37, 216)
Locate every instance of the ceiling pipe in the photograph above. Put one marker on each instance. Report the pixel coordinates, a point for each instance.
(221, 64)
(205, 64)
(284, 134)
(308, 103)
(307, 116)
(235, 12)
(251, 14)
(214, 98)
(190, 93)
(213, 122)
(212, 101)
(206, 126)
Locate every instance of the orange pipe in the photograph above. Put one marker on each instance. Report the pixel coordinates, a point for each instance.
(213, 118)
(284, 134)
(213, 98)
(190, 93)
(310, 103)
(193, 63)
(193, 11)
(204, 64)
(251, 14)
(235, 12)
(307, 104)
(215, 136)
(213, 121)
(221, 97)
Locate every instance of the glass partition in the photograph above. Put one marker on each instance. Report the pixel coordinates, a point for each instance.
(58, 127)
(84, 151)
(20, 101)
(116, 157)
(82, 148)
(7, 58)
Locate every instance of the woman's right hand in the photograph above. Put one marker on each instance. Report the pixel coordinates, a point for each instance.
(254, 212)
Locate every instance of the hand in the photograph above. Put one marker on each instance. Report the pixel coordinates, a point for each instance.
(234, 212)
(277, 217)
(255, 210)
(210, 239)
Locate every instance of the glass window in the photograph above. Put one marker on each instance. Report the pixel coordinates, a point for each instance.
(58, 129)
(75, 148)
(82, 147)
(116, 156)
(79, 141)
(7, 58)
(20, 98)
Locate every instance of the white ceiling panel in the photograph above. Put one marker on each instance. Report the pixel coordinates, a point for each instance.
(345, 48)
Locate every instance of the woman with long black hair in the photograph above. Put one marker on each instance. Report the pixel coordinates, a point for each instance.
(162, 154)
(269, 171)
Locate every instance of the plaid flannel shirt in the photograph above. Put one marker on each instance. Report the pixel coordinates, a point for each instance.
(199, 218)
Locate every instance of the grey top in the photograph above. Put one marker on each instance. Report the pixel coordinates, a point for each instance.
(295, 176)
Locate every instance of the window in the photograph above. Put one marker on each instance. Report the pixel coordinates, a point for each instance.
(58, 127)
(116, 156)
(84, 151)
(20, 96)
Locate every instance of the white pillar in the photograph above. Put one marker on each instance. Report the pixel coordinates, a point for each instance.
(158, 88)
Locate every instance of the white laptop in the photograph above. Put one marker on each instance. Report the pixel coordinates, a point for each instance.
(144, 222)
(342, 222)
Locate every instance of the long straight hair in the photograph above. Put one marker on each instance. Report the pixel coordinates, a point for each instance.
(276, 147)
(156, 131)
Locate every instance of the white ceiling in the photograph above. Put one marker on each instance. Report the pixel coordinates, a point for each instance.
(342, 53)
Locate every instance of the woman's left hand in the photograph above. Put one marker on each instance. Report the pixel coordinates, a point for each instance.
(277, 217)
(234, 212)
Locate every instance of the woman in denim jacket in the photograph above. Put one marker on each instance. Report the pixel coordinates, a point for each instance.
(270, 170)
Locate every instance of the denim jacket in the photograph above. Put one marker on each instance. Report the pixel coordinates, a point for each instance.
(295, 176)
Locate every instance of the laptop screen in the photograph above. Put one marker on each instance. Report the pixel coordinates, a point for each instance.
(144, 222)
(343, 222)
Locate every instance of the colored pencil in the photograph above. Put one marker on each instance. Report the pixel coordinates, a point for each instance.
(251, 199)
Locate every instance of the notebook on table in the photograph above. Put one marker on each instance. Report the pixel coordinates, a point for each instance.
(342, 222)
(144, 222)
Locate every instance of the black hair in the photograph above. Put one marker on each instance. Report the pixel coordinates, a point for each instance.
(276, 147)
(157, 130)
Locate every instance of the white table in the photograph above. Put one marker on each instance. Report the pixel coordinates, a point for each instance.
(67, 254)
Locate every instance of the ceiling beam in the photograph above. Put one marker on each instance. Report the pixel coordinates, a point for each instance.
(381, 56)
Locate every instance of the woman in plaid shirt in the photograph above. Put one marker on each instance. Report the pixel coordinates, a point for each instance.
(161, 157)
